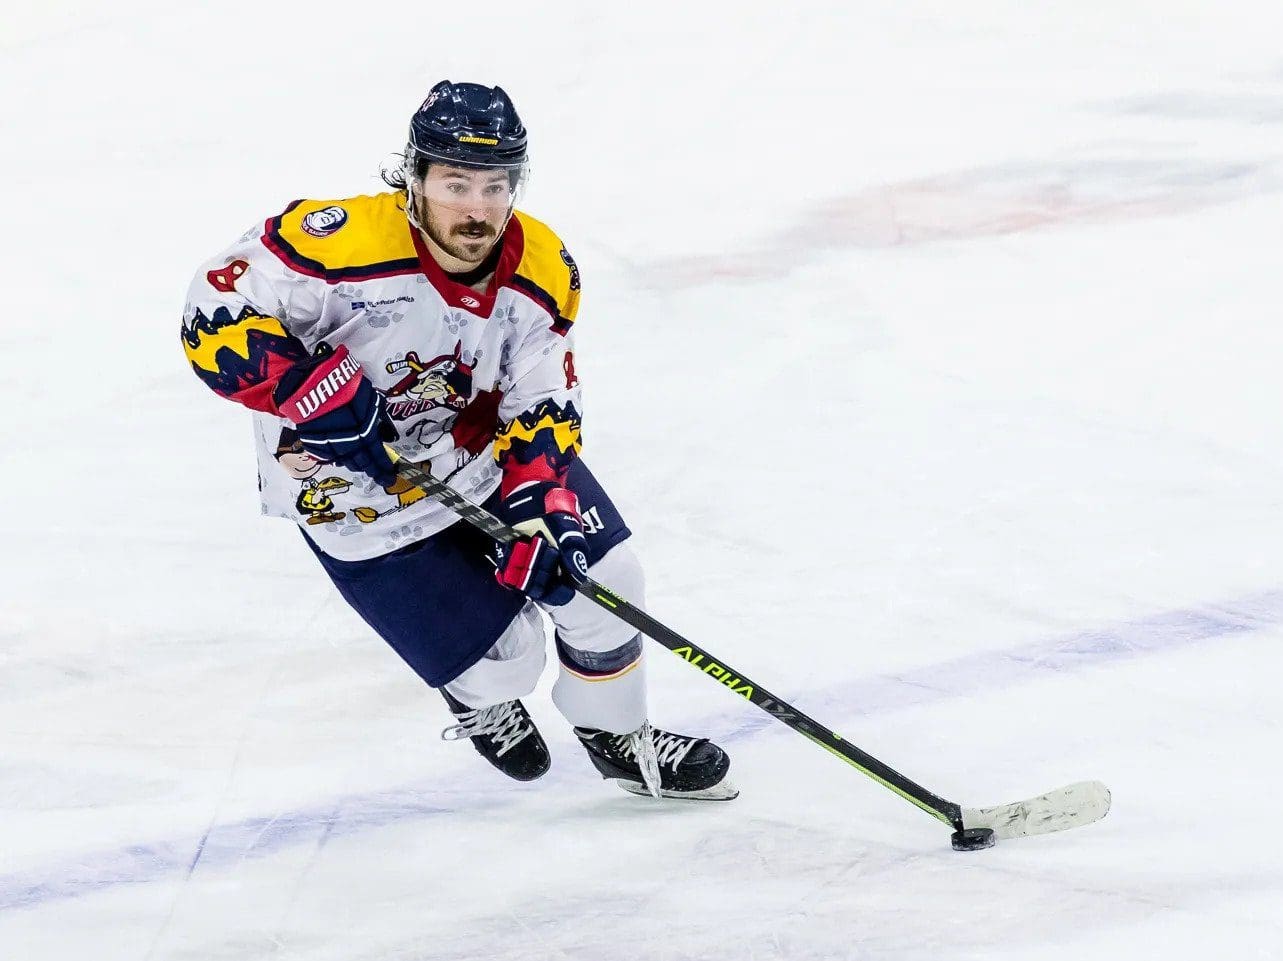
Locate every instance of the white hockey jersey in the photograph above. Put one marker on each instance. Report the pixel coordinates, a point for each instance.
(477, 383)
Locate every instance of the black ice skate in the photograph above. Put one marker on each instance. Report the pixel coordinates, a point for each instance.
(659, 764)
(503, 734)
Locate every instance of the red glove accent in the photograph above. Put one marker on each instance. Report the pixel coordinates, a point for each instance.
(564, 500)
(518, 475)
(522, 561)
(544, 569)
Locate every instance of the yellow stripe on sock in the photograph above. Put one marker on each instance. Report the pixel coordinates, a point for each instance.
(601, 677)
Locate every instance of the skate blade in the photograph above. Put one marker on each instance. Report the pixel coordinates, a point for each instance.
(723, 791)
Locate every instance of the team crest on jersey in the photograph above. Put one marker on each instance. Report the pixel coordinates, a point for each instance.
(326, 221)
(444, 381)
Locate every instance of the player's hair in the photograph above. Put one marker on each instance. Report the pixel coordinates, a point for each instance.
(392, 172)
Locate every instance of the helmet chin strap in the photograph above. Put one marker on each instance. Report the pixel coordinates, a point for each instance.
(411, 212)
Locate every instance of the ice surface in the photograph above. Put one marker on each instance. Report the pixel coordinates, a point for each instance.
(932, 352)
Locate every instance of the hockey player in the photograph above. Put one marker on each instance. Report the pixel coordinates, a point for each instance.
(438, 319)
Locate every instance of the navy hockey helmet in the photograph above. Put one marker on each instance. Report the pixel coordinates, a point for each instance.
(469, 125)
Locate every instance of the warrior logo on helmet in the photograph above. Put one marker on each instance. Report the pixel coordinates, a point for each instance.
(444, 381)
(469, 124)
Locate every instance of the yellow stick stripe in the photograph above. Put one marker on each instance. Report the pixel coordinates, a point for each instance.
(908, 797)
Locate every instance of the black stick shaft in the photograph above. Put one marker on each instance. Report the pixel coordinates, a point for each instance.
(946, 811)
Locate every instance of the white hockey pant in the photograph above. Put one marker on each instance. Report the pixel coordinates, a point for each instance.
(601, 680)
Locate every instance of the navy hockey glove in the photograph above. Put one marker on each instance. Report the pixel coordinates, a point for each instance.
(339, 415)
(546, 564)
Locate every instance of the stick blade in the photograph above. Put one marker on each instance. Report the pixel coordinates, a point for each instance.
(1068, 807)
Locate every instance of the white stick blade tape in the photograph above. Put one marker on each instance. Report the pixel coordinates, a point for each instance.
(1059, 810)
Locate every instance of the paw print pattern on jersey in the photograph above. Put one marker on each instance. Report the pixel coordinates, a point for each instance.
(456, 320)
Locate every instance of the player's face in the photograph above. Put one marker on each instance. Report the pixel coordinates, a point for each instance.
(464, 211)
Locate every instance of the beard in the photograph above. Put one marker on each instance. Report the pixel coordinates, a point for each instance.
(469, 241)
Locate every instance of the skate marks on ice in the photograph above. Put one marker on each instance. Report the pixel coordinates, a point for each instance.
(1254, 108)
(226, 845)
(995, 670)
(766, 888)
(979, 203)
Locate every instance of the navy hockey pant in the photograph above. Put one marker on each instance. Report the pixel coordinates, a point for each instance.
(436, 601)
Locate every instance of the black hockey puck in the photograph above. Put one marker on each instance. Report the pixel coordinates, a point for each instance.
(973, 839)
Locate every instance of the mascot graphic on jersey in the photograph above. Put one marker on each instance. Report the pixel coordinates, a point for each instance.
(316, 497)
(441, 388)
(444, 381)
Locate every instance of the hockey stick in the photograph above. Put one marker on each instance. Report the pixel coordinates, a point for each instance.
(974, 828)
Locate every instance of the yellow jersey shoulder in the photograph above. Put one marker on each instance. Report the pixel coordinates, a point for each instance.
(547, 272)
(357, 238)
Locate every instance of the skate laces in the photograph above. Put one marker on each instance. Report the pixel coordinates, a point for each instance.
(654, 749)
(502, 722)
(668, 749)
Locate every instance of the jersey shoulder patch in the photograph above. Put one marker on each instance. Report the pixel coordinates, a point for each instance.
(547, 273)
(359, 238)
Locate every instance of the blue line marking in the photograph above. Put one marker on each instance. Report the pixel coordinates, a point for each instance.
(993, 670)
(226, 844)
